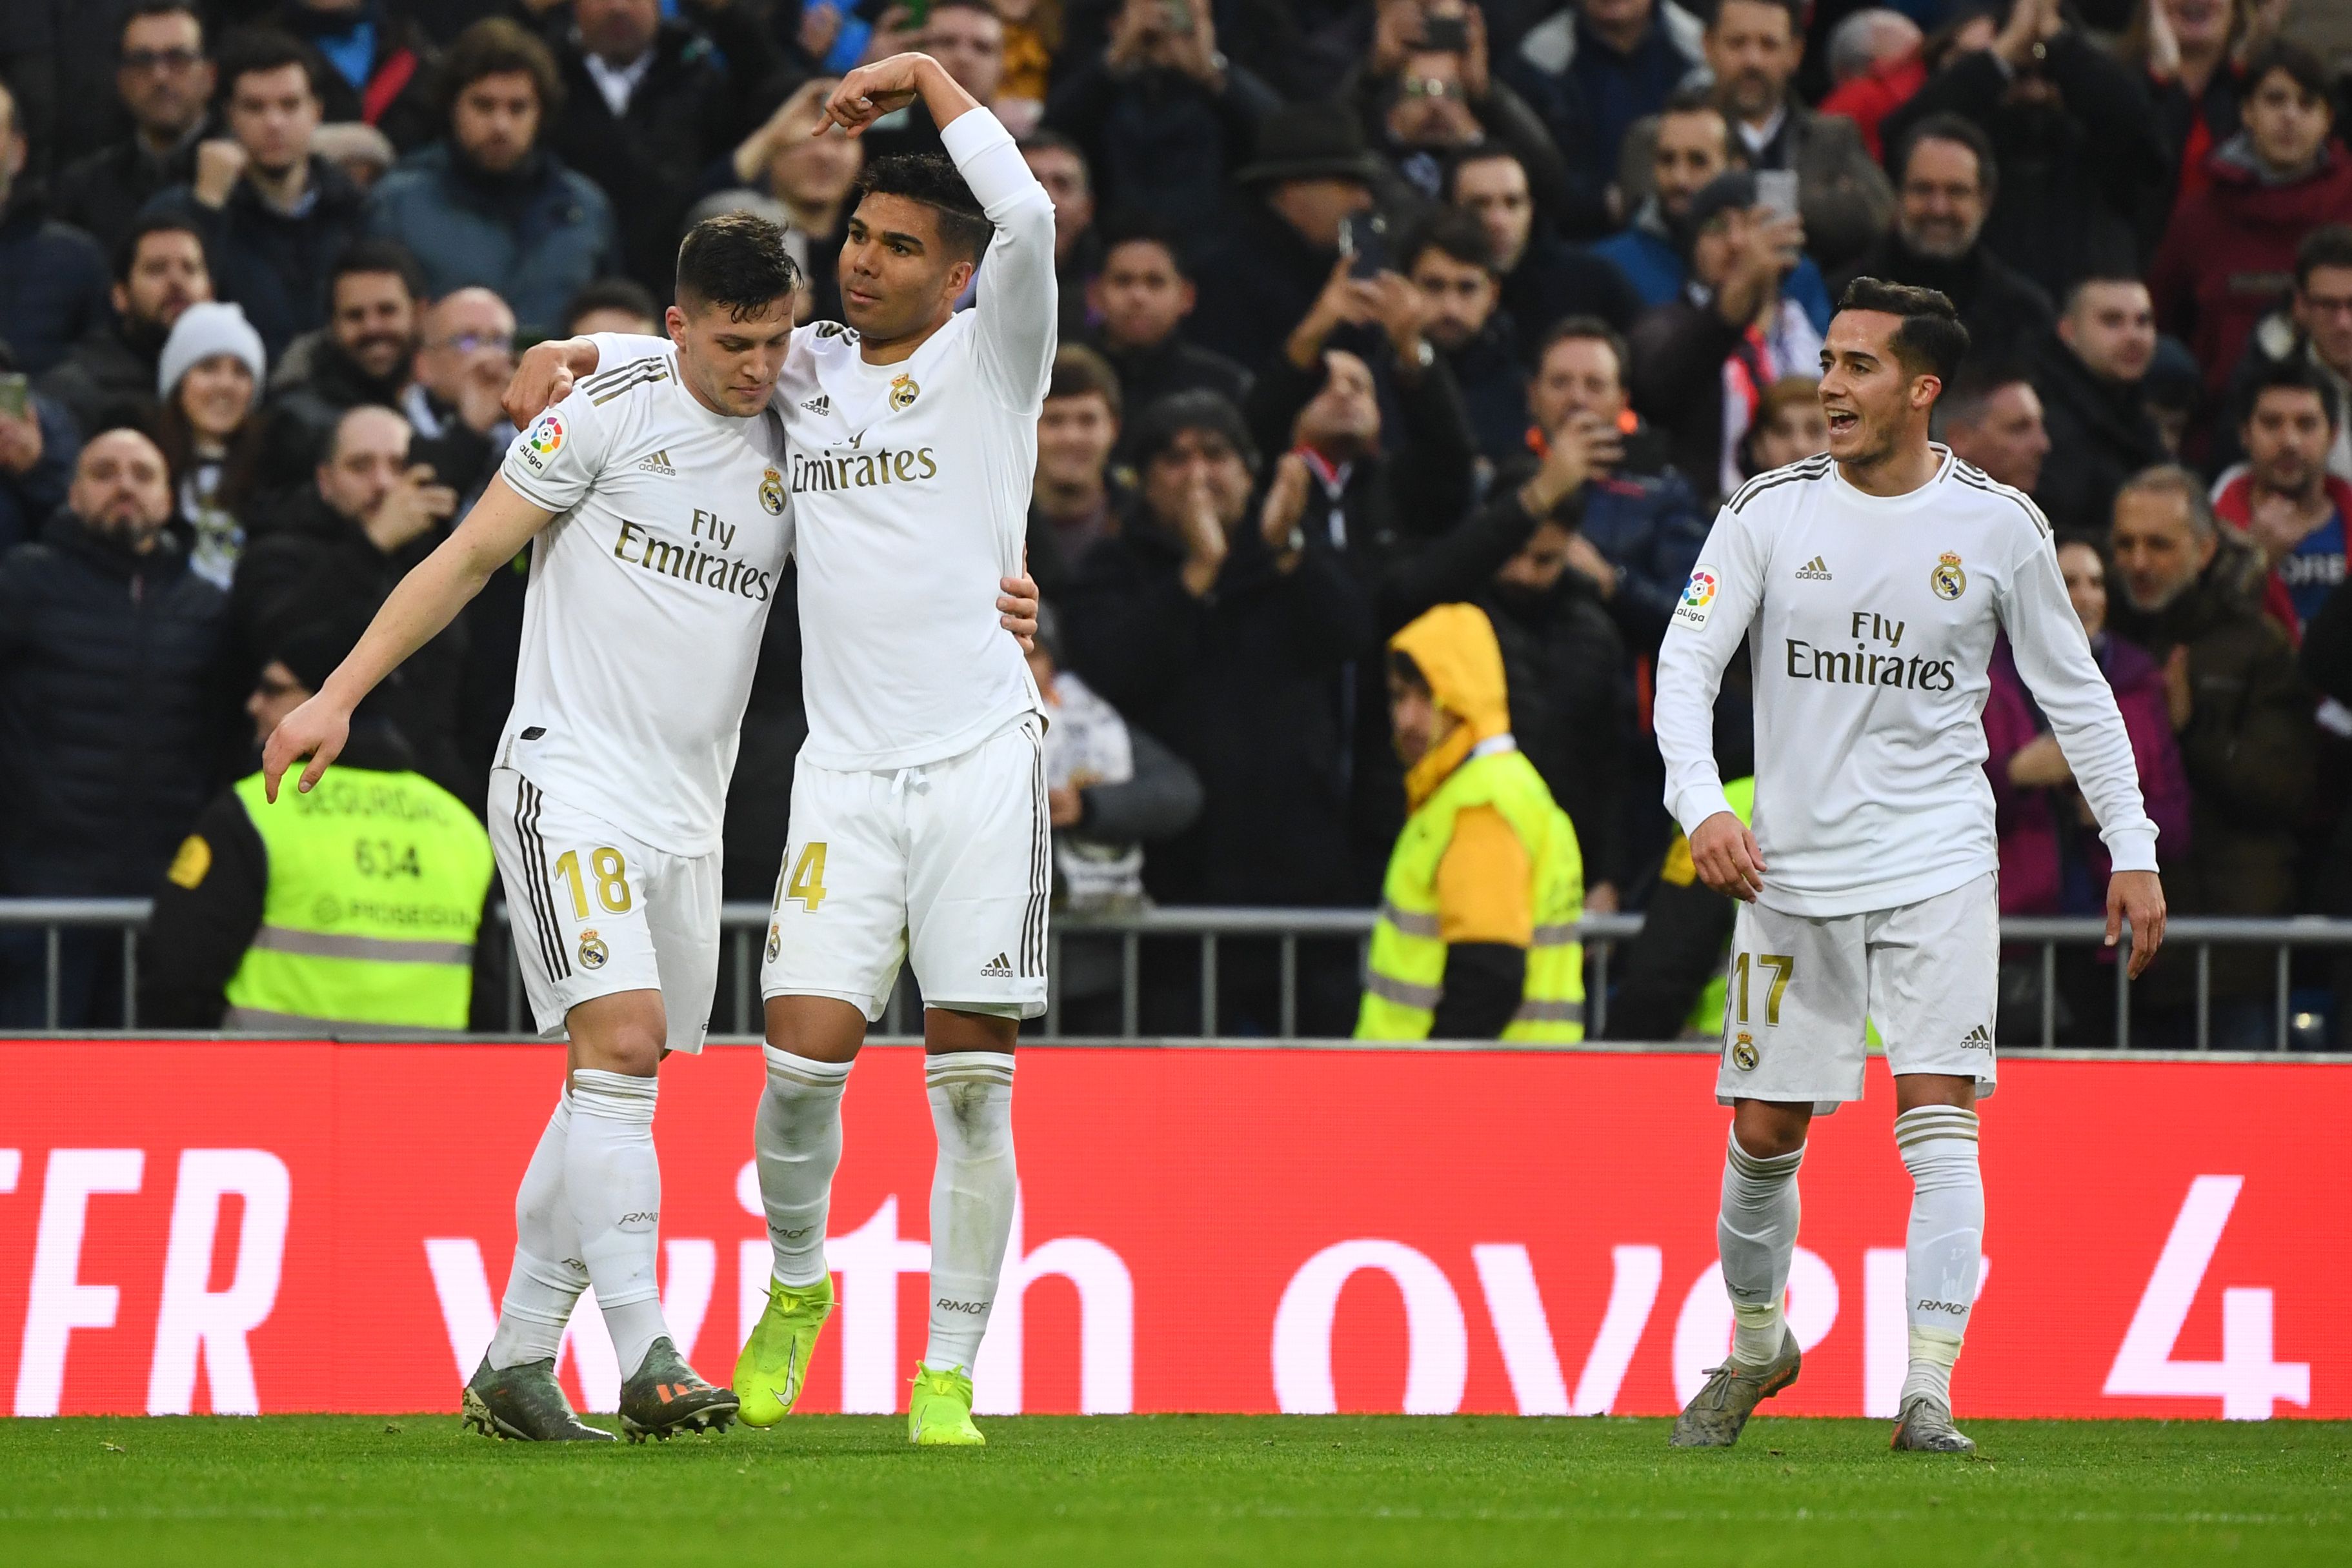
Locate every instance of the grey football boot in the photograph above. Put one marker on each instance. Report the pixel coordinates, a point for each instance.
(1925, 1426)
(668, 1396)
(1719, 1409)
(525, 1402)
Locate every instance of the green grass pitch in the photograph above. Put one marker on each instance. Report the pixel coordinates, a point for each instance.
(831, 1492)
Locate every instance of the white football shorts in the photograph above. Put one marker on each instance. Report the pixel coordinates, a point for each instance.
(1802, 990)
(950, 864)
(593, 912)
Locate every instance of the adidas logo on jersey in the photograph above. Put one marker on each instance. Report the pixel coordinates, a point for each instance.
(658, 464)
(998, 968)
(1976, 1039)
(820, 403)
(1813, 570)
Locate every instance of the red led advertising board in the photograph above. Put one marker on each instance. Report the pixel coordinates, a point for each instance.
(297, 1225)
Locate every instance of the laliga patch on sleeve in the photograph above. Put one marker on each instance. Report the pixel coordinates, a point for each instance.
(1697, 603)
(542, 440)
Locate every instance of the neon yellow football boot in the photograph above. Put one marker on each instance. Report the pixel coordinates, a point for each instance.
(775, 1359)
(939, 1414)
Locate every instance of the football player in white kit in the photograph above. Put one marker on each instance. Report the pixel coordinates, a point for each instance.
(1870, 583)
(653, 499)
(919, 826)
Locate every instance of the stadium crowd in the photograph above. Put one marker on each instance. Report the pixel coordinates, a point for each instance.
(1366, 307)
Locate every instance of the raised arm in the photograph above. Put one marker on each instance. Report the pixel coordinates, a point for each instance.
(1018, 303)
(1707, 628)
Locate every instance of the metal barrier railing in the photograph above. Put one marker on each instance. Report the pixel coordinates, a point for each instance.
(1212, 931)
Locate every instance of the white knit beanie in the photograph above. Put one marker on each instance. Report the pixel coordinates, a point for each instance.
(201, 332)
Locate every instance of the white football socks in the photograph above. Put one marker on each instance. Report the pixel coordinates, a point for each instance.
(797, 1136)
(612, 1180)
(972, 1190)
(1939, 1144)
(1756, 1236)
(547, 1275)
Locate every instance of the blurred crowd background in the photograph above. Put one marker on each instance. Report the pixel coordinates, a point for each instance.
(1528, 287)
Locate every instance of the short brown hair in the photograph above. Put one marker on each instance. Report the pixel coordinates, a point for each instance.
(1927, 337)
(498, 47)
(1080, 371)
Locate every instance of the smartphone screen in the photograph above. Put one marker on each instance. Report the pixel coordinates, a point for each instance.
(1450, 34)
(1176, 15)
(15, 397)
(1777, 189)
(1364, 240)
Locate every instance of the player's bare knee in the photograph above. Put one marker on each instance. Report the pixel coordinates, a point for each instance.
(815, 1029)
(1766, 1128)
(625, 1032)
(946, 1029)
(1914, 1089)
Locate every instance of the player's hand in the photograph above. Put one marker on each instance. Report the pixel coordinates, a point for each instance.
(1017, 610)
(1066, 804)
(2136, 896)
(1726, 856)
(871, 91)
(316, 730)
(544, 377)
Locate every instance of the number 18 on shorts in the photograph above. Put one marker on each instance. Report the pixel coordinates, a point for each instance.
(1802, 990)
(950, 865)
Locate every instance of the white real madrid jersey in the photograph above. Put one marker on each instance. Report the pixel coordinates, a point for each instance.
(1871, 622)
(649, 594)
(910, 491)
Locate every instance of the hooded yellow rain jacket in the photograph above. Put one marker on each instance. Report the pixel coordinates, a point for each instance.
(1485, 856)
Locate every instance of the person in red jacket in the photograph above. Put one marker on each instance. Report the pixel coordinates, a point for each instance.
(2229, 255)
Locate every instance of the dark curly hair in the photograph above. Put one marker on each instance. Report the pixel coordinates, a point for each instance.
(932, 179)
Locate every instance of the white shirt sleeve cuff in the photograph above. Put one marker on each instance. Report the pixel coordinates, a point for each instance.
(2132, 848)
(1698, 803)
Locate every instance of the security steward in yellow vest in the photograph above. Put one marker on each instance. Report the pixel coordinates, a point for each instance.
(352, 906)
(1476, 935)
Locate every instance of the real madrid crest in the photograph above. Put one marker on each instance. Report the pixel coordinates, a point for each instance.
(1948, 580)
(1743, 1052)
(771, 493)
(593, 951)
(775, 942)
(903, 392)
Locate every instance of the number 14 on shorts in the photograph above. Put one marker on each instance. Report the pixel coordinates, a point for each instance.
(804, 883)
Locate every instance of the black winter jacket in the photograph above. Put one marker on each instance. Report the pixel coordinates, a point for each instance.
(103, 194)
(319, 565)
(683, 114)
(53, 283)
(113, 720)
(1241, 684)
(2101, 434)
(273, 263)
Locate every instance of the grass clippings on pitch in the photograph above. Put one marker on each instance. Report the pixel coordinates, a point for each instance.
(831, 1492)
